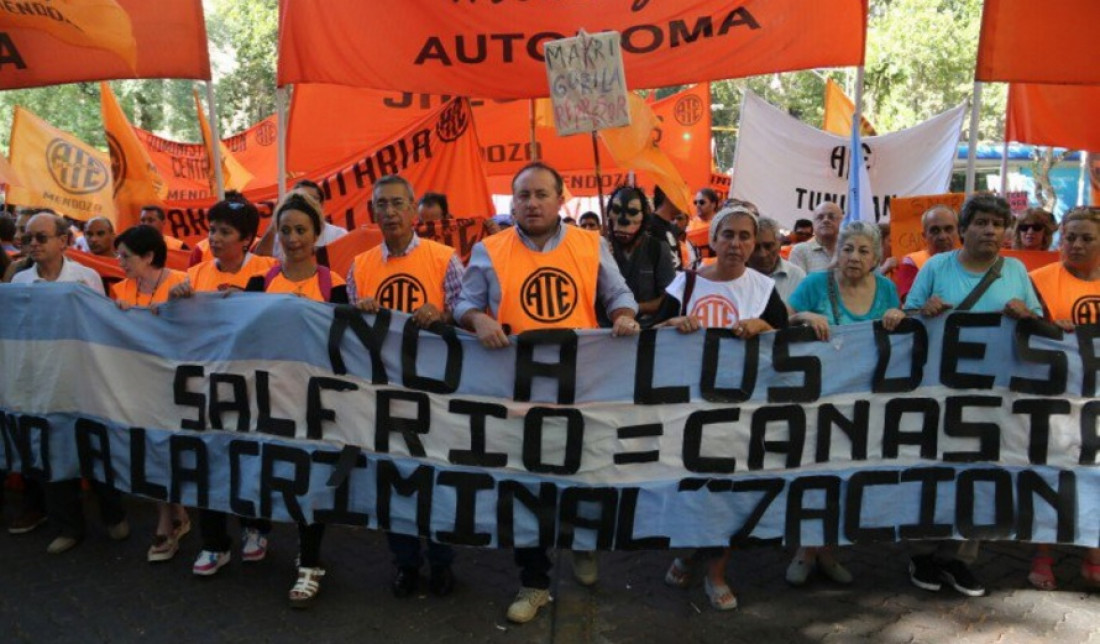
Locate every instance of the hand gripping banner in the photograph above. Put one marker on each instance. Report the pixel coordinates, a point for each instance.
(973, 426)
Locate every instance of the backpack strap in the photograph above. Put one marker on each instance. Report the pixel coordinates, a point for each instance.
(990, 276)
(834, 298)
(271, 275)
(689, 288)
(324, 281)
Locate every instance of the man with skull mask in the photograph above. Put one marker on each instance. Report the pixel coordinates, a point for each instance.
(644, 261)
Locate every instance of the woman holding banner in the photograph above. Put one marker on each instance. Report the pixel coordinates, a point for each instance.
(850, 292)
(299, 224)
(724, 294)
(1070, 293)
(141, 254)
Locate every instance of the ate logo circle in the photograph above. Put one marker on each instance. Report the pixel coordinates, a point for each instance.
(266, 133)
(453, 122)
(401, 292)
(118, 162)
(74, 170)
(1086, 310)
(688, 110)
(549, 295)
(715, 311)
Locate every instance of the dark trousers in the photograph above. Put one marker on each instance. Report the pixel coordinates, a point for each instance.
(214, 528)
(407, 554)
(534, 567)
(66, 512)
(309, 544)
(34, 495)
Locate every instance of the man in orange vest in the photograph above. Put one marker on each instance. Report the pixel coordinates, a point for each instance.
(154, 216)
(421, 277)
(940, 226)
(541, 274)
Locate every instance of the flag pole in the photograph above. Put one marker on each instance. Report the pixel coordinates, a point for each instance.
(1004, 168)
(1083, 180)
(215, 144)
(855, 159)
(531, 113)
(972, 146)
(281, 125)
(599, 181)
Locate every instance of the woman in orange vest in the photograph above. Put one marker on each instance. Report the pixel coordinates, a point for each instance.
(298, 221)
(1070, 291)
(233, 224)
(141, 254)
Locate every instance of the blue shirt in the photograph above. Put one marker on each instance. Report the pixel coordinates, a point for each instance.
(944, 276)
(481, 287)
(812, 295)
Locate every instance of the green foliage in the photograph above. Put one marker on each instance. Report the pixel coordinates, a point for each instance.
(246, 34)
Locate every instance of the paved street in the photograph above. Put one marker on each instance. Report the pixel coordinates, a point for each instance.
(103, 591)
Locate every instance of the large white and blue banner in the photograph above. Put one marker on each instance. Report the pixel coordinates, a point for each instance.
(969, 426)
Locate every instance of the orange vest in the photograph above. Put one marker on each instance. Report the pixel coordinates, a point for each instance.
(173, 243)
(1065, 297)
(403, 283)
(546, 290)
(126, 291)
(309, 288)
(919, 258)
(207, 277)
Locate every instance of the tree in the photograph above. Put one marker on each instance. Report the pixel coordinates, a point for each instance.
(247, 35)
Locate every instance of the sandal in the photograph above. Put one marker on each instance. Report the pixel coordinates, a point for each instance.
(307, 587)
(720, 596)
(1041, 575)
(679, 574)
(180, 528)
(164, 548)
(1091, 573)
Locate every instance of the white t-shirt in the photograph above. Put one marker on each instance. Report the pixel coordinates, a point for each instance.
(723, 304)
(70, 272)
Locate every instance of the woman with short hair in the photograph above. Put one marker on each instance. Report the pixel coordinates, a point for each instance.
(1034, 230)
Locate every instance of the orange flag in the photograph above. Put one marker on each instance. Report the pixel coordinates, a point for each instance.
(633, 147)
(137, 182)
(58, 170)
(7, 173)
(1009, 25)
(839, 110)
(1057, 115)
(234, 175)
(68, 41)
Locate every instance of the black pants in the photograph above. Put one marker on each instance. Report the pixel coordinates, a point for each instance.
(214, 528)
(407, 554)
(534, 565)
(309, 544)
(66, 512)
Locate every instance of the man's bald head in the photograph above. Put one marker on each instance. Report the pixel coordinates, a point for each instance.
(827, 217)
(99, 232)
(940, 229)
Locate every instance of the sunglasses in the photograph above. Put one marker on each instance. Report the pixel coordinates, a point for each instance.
(1029, 227)
(41, 238)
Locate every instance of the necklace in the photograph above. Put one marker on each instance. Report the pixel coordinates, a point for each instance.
(153, 293)
(299, 284)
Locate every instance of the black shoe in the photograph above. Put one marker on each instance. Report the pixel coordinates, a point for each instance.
(406, 582)
(442, 581)
(925, 573)
(959, 577)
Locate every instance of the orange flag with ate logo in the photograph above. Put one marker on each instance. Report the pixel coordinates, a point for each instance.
(137, 182)
(58, 170)
(68, 41)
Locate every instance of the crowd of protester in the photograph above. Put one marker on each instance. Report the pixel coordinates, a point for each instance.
(635, 269)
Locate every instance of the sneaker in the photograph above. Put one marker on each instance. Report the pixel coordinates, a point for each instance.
(800, 568)
(119, 531)
(209, 562)
(527, 603)
(254, 547)
(585, 567)
(959, 577)
(62, 544)
(27, 521)
(925, 573)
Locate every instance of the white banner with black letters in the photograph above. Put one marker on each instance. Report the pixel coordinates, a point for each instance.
(969, 426)
(787, 168)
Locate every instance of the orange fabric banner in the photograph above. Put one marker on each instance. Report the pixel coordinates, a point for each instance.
(329, 122)
(7, 173)
(1058, 115)
(437, 153)
(58, 170)
(91, 40)
(839, 110)
(106, 267)
(137, 182)
(1033, 259)
(1010, 26)
(234, 175)
(634, 147)
(493, 48)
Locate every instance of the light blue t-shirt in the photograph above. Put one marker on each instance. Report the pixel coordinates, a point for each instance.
(944, 276)
(812, 295)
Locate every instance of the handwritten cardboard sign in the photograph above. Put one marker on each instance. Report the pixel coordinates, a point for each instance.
(587, 82)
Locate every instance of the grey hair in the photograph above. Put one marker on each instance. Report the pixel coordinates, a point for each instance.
(861, 229)
(61, 227)
(724, 214)
(767, 223)
(391, 179)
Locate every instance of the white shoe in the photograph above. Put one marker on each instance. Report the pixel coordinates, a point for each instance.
(209, 562)
(254, 547)
(527, 603)
(585, 567)
(800, 567)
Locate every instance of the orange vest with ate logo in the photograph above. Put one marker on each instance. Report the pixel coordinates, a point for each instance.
(546, 290)
(403, 283)
(1065, 297)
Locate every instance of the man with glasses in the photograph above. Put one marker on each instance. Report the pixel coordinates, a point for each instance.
(45, 242)
(803, 231)
(817, 253)
(542, 274)
(421, 277)
(706, 204)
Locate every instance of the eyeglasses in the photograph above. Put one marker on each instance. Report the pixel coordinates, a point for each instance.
(41, 238)
(1029, 227)
(397, 204)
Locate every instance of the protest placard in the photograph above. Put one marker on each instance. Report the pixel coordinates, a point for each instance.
(587, 82)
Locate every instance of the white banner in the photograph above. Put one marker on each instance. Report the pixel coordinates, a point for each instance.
(787, 168)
